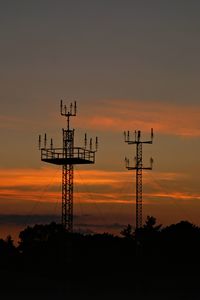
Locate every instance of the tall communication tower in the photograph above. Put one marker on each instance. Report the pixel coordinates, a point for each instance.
(138, 167)
(67, 157)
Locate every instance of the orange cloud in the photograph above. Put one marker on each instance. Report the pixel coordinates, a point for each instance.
(91, 186)
(176, 195)
(105, 196)
(117, 115)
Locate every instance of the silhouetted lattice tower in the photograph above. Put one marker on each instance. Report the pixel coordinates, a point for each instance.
(138, 167)
(68, 156)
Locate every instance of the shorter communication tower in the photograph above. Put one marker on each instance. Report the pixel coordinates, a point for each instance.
(67, 157)
(138, 167)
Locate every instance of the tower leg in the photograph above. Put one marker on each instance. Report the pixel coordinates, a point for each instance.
(67, 181)
(67, 197)
(139, 186)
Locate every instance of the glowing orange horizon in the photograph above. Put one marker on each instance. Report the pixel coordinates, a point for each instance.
(91, 186)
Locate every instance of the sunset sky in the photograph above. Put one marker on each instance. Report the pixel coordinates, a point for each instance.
(129, 65)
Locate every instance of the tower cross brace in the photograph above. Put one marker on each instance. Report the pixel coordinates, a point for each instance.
(67, 180)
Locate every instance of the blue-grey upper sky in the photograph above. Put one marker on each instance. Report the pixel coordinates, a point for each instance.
(100, 49)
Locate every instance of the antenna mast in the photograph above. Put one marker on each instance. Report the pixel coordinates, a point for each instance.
(138, 167)
(67, 156)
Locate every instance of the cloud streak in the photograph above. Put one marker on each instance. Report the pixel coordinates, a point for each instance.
(165, 118)
(91, 186)
(117, 115)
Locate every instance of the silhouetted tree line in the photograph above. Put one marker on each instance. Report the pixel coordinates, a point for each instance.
(153, 250)
(50, 245)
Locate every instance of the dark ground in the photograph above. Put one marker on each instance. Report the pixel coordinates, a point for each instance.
(50, 264)
(177, 282)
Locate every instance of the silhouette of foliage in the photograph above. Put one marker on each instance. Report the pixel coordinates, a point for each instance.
(104, 261)
(128, 232)
(8, 252)
(150, 224)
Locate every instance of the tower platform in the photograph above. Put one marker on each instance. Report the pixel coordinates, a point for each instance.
(58, 156)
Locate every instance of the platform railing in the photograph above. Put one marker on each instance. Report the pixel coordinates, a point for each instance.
(58, 153)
